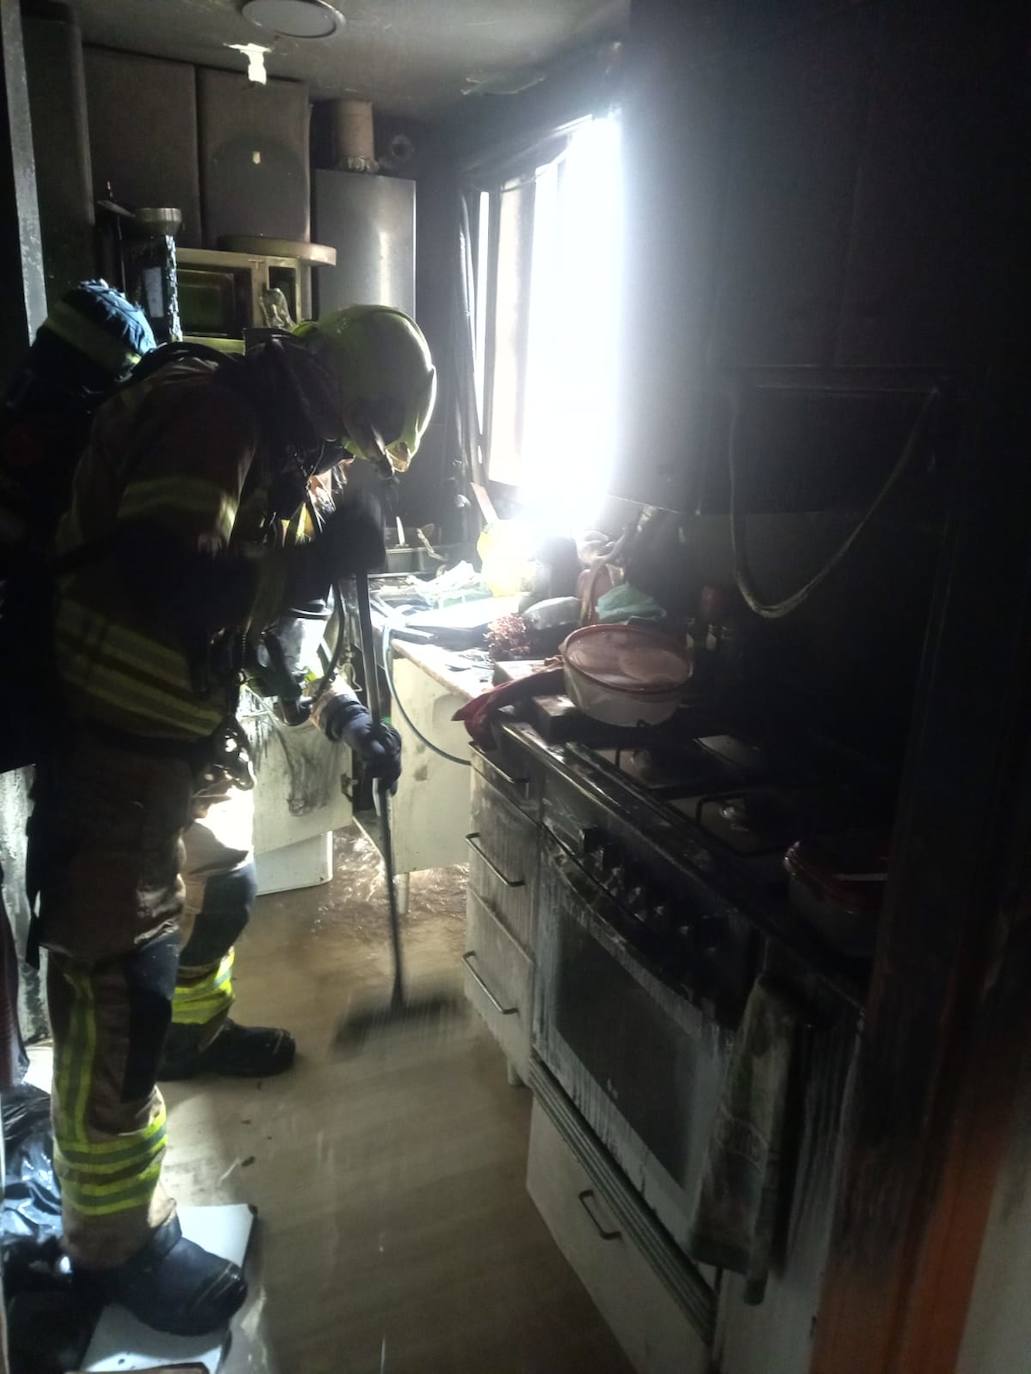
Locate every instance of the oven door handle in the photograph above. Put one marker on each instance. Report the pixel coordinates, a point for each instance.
(472, 840)
(582, 1198)
(467, 960)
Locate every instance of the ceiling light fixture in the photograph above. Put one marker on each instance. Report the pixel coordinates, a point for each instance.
(255, 55)
(294, 18)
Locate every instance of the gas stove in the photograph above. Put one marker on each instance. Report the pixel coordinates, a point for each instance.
(749, 802)
(686, 838)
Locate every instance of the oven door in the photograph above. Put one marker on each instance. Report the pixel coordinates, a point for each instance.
(641, 1064)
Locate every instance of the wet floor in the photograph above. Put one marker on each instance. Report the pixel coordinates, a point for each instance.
(396, 1233)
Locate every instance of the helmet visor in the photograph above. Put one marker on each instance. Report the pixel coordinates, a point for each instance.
(373, 430)
(363, 440)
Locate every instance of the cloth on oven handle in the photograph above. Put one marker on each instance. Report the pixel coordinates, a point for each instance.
(477, 715)
(736, 1208)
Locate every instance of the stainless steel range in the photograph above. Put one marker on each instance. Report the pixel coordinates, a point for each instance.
(662, 894)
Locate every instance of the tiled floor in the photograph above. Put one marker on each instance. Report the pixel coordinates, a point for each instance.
(396, 1233)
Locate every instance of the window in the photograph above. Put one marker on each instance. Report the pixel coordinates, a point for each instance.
(547, 292)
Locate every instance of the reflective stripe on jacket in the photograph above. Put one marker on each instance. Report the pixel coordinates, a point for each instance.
(174, 451)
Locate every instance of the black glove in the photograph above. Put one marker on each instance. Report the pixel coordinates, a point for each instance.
(350, 541)
(378, 746)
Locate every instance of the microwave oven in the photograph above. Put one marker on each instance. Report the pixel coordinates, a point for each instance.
(223, 294)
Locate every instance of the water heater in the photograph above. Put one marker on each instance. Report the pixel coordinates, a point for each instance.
(370, 221)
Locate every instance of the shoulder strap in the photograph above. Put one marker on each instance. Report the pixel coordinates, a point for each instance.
(170, 353)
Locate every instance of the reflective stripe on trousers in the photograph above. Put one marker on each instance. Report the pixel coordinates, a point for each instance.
(203, 998)
(220, 891)
(99, 1177)
(110, 1023)
(106, 841)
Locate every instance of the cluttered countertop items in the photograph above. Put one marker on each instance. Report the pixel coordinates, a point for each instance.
(655, 701)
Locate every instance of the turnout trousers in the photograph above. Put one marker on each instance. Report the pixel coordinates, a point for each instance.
(144, 882)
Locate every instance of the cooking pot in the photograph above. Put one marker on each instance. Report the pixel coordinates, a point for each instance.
(625, 674)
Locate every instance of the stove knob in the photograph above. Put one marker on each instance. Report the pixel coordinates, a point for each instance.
(636, 896)
(661, 917)
(595, 850)
(592, 838)
(616, 881)
(638, 899)
(708, 934)
(698, 937)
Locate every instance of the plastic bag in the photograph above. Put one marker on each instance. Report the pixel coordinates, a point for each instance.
(558, 612)
(50, 1321)
(32, 1200)
(624, 603)
(454, 586)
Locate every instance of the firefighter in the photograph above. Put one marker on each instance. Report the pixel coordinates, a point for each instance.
(180, 509)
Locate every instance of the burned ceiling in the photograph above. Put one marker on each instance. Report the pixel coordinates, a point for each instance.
(411, 57)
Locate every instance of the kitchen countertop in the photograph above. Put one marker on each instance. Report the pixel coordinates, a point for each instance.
(446, 667)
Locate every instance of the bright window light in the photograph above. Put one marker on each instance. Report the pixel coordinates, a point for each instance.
(480, 318)
(569, 415)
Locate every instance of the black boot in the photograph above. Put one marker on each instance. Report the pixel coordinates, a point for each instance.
(171, 1284)
(235, 1052)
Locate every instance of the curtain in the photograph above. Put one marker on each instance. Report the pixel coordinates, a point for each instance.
(490, 308)
(465, 436)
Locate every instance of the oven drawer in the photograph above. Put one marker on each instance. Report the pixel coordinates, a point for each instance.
(498, 981)
(503, 860)
(652, 1326)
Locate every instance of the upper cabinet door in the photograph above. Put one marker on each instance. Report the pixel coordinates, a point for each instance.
(804, 187)
(912, 280)
(798, 106)
(673, 166)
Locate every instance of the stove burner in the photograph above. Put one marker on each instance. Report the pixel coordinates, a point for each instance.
(751, 802)
(687, 838)
(762, 821)
(747, 760)
(676, 771)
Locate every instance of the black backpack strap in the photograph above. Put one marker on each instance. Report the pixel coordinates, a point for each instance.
(171, 353)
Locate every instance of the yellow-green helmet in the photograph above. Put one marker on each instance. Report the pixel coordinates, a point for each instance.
(383, 378)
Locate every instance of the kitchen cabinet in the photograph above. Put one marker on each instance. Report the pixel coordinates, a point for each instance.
(254, 155)
(431, 808)
(499, 982)
(915, 271)
(797, 110)
(503, 852)
(739, 173)
(807, 186)
(673, 171)
(128, 98)
(757, 21)
(503, 858)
